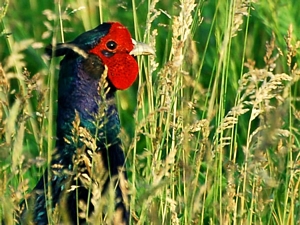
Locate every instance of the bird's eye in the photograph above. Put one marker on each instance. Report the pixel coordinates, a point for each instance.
(111, 45)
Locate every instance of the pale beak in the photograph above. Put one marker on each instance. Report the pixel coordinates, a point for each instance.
(141, 48)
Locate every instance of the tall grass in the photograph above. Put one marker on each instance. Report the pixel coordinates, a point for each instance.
(211, 127)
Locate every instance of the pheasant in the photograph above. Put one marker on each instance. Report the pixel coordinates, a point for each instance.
(87, 171)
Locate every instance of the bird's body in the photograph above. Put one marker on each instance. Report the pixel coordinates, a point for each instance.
(88, 161)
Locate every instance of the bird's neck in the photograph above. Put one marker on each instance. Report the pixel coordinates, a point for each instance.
(82, 103)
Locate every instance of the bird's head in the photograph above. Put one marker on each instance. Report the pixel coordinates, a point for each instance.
(117, 50)
(113, 45)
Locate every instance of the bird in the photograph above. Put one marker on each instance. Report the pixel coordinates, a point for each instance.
(87, 170)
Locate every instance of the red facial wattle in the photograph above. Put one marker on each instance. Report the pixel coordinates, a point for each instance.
(113, 49)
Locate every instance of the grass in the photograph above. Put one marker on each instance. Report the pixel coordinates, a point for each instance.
(211, 127)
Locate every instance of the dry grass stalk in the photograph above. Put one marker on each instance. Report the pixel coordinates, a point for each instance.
(241, 10)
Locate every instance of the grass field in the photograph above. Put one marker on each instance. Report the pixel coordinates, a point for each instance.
(211, 127)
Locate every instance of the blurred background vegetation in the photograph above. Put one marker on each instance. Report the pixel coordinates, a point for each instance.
(210, 129)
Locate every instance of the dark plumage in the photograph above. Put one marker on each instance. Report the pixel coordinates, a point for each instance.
(88, 161)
